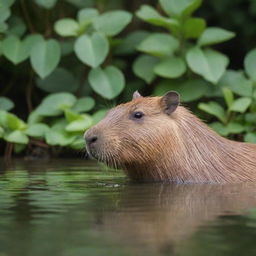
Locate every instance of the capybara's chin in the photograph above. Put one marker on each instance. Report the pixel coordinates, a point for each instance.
(157, 139)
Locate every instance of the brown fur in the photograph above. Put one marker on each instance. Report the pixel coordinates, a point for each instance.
(176, 148)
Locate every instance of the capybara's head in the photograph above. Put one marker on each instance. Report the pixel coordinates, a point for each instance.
(134, 133)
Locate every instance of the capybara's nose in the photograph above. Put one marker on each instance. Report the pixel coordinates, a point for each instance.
(90, 139)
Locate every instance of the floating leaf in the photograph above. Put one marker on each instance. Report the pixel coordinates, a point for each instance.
(151, 44)
(45, 57)
(214, 35)
(171, 67)
(92, 50)
(108, 83)
(143, 67)
(112, 23)
(208, 63)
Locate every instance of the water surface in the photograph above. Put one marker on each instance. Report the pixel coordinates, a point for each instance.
(74, 207)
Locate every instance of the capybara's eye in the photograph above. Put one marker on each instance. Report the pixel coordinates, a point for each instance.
(138, 114)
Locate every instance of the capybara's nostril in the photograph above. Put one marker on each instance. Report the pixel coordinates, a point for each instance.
(91, 139)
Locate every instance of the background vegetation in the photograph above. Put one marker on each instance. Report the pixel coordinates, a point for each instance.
(63, 63)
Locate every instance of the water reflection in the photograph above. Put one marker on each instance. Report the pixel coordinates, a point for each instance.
(66, 208)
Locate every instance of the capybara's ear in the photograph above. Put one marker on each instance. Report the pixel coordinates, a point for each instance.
(136, 95)
(169, 102)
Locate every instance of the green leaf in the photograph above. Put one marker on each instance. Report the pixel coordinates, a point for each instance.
(108, 83)
(208, 63)
(151, 15)
(112, 23)
(130, 42)
(250, 64)
(143, 67)
(17, 137)
(214, 35)
(87, 15)
(34, 117)
(6, 104)
(99, 115)
(48, 4)
(45, 57)
(219, 128)
(228, 96)
(60, 80)
(237, 83)
(171, 67)
(92, 50)
(15, 50)
(1, 132)
(84, 104)
(151, 44)
(231, 128)
(78, 143)
(235, 128)
(4, 12)
(180, 8)
(241, 104)
(31, 40)
(66, 27)
(80, 125)
(54, 104)
(59, 138)
(71, 115)
(193, 27)
(250, 118)
(189, 90)
(214, 109)
(250, 137)
(14, 123)
(37, 130)
(16, 26)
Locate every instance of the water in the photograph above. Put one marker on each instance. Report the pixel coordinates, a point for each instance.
(74, 207)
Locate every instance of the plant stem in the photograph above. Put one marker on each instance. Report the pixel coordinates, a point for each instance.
(26, 16)
(8, 151)
(29, 90)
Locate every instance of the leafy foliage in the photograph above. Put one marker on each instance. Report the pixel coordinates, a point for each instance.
(70, 62)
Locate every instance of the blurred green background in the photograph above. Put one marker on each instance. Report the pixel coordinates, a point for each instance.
(64, 63)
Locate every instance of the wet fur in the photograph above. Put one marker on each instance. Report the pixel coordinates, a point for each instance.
(176, 148)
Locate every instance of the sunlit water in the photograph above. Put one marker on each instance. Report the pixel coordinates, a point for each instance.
(73, 208)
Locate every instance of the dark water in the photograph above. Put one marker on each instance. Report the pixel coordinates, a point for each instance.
(73, 208)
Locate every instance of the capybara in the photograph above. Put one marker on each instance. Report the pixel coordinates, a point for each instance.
(157, 139)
